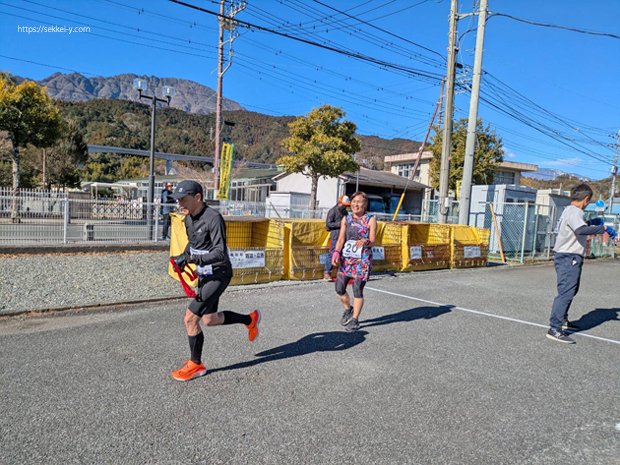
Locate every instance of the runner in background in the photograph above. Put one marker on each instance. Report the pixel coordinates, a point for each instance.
(353, 252)
(332, 224)
(207, 249)
(168, 205)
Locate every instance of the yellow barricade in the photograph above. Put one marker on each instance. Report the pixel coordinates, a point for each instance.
(178, 241)
(387, 253)
(425, 246)
(470, 246)
(255, 246)
(306, 248)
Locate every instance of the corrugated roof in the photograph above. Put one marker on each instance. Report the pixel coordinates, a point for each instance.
(255, 173)
(375, 178)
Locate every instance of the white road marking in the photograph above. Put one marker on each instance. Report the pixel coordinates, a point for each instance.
(477, 312)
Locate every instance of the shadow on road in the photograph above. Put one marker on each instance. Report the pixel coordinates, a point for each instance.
(416, 313)
(316, 342)
(596, 317)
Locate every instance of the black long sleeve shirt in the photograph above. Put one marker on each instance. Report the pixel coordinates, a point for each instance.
(334, 219)
(206, 232)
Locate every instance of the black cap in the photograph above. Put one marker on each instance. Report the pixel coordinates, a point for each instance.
(186, 188)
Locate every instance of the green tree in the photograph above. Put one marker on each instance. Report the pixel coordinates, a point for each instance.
(65, 161)
(488, 154)
(28, 116)
(321, 145)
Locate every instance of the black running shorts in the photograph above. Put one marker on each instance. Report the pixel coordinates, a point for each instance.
(341, 286)
(208, 294)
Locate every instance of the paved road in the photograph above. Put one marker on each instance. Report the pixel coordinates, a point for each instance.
(448, 368)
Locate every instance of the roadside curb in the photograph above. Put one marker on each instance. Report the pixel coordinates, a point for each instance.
(72, 248)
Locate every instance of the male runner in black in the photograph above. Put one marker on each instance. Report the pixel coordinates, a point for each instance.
(206, 248)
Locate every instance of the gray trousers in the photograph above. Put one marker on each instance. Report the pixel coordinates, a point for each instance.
(568, 270)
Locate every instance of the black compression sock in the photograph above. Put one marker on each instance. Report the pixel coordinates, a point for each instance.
(231, 318)
(195, 346)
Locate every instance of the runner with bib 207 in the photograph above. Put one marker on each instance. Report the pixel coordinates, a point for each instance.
(354, 253)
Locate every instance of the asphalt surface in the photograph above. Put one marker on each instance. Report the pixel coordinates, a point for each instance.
(449, 367)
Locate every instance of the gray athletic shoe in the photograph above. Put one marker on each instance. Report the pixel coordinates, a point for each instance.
(353, 325)
(559, 336)
(346, 316)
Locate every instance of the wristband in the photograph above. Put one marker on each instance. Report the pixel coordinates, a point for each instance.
(336, 252)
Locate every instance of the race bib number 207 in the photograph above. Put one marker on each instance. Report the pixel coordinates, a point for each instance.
(351, 251)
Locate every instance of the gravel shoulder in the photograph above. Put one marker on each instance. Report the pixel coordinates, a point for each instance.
(41, 282)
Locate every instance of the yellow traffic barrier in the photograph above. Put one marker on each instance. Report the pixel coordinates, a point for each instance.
(470, 246)
(425, 246)
(255, 247)
(306, 248)
(387, 252)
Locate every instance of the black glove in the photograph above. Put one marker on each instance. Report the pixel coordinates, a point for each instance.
(180, 261)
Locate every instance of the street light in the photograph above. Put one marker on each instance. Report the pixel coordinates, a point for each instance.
(168, 92)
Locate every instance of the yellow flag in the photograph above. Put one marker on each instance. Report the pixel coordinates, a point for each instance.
(225, 171)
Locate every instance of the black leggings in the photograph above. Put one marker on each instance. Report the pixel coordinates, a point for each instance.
(358, 286)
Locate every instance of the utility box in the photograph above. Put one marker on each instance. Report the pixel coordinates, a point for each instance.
(287, 205)
(515, 210)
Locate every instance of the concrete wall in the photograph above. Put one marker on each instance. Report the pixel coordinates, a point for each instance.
(327, 192)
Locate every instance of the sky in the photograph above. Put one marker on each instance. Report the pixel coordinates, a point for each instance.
(551, 94)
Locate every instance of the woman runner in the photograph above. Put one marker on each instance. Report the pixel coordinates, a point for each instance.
(354, 252)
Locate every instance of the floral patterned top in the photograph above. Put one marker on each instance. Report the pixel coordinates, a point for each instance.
(356, 263)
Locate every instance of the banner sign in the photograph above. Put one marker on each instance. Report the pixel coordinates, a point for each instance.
(223, 192)
(378, 253)
(471, 251)
(415, 252)
(247, 259)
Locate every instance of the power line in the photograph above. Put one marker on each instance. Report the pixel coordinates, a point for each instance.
(371, 39)
(359, 56)
(384, 30)
(559, 26)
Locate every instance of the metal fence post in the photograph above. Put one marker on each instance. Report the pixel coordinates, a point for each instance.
(156, 215)
(533, 254)
(524, 232)
(65, 221)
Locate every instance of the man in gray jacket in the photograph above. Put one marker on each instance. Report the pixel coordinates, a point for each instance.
(332, 224)
(570, 248)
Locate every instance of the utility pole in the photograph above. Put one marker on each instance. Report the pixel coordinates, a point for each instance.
(167, 93)
(614, 171)
(444, 173)
(470, 144)
(44, 171)
(225, 22)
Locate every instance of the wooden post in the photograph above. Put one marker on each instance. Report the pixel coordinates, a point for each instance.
(498, 234)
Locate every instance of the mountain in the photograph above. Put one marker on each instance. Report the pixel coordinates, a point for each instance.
(566, 182)
(546, 174)
(257, 137)
(108, 112)
(189, 96)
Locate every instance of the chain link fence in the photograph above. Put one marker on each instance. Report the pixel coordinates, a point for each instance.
(30, 219)
(520, 231)
(527, 231)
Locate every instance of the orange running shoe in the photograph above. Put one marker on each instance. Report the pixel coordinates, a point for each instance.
(253, 326)
(189, 371)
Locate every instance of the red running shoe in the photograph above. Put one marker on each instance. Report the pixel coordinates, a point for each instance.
(189, 371)
(253, 326)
